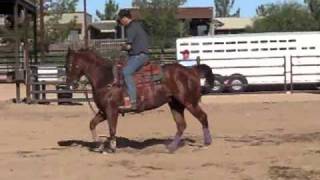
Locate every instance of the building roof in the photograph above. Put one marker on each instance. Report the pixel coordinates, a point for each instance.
(105, 26)
(7, 6)
(66, 18)
(228, 23)
(195, 13)
(184, 13)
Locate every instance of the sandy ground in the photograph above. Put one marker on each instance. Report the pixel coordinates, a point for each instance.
(256, 137)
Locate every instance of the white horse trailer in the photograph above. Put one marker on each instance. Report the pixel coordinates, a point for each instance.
(256, 59)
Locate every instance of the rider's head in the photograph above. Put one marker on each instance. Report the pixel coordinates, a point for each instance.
(124, 17)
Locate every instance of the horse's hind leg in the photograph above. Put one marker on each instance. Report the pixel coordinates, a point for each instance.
(177, 110)
(197, 112)
(93, 124)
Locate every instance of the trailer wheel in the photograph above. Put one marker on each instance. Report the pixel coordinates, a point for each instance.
(218, 85)
(237, 83)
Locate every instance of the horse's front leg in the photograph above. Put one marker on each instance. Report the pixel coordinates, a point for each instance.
(112, 116)
(99, 117)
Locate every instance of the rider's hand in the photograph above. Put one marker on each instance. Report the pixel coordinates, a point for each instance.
(125, 47)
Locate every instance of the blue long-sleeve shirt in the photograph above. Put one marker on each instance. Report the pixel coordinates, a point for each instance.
(137, 37)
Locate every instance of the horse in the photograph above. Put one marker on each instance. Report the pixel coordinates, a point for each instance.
(179, 88)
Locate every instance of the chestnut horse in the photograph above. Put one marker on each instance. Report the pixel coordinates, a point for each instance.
(180, 88)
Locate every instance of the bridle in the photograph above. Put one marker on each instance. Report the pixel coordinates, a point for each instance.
(83, 87)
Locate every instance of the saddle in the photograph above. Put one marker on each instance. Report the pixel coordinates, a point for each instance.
(146, 78)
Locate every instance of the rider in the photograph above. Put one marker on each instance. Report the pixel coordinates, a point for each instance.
(137, 46)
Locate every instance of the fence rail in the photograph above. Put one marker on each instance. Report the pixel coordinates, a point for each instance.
(47, 79)
(295, 66)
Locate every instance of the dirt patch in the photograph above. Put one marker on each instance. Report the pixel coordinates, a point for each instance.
(254, 137)
(289, 173)
(271, 139)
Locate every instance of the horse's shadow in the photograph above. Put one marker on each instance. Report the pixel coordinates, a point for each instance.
(122, 142)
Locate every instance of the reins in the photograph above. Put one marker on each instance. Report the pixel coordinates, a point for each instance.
(85, 90)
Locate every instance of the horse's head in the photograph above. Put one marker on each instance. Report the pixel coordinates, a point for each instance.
(74, 69)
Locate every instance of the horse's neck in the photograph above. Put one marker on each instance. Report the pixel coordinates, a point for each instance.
(97, 74)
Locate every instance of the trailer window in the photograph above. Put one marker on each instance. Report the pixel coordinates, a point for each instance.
(219, 51)
(194, 44)
(273, 49)
(292, 40)
(255, 49)
(207, 43)
(231, 50)
(304, 48)
(242, 42)
(254, 42)
(264, 49)
(219, 43)
(184, 44)
(292, 48)
(263, 41)
(273, 41)
(194, 52)
(231, 42)
(312, 48)
(207, 51)
(283, 48)
(283, 41)
(242, 50)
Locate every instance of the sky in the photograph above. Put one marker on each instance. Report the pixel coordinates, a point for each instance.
(247, 7)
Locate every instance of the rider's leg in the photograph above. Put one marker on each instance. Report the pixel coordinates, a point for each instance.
(134, 63)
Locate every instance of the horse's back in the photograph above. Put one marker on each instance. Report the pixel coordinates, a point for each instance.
(182, 82)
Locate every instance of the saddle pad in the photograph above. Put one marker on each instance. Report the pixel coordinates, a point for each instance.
(148, 73)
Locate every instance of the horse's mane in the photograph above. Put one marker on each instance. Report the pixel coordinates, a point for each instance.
(96, 58)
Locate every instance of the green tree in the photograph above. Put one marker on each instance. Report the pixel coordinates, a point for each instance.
(160, 20)
(314, 8)
(66, 6)
(110, 11)
(283, 17)
(55, 9)
(223, 8)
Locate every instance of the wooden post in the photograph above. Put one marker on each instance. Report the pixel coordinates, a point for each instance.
(27, 69)
(86, 40)
(41, 31)
(17, 44)
(35, 42)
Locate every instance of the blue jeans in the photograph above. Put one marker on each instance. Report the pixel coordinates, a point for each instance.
(134, 64)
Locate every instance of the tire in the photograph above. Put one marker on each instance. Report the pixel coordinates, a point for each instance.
(237, 83)
(218, 86)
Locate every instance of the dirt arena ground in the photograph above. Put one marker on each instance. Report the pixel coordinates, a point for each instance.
(256, 137)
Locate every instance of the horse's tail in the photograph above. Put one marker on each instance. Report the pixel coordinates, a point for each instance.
(205, 72)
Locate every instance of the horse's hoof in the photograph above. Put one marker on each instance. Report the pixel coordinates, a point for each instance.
(207, 137)
(99, 148)
(172, 148)
(109, 151)
(207, 142)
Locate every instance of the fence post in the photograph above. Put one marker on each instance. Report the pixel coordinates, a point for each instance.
(27, 69)
(285, 73)
(162, 55)
(291, 75)
(198, 60)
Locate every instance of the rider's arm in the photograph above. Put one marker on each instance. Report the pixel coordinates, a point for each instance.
(131, 35)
